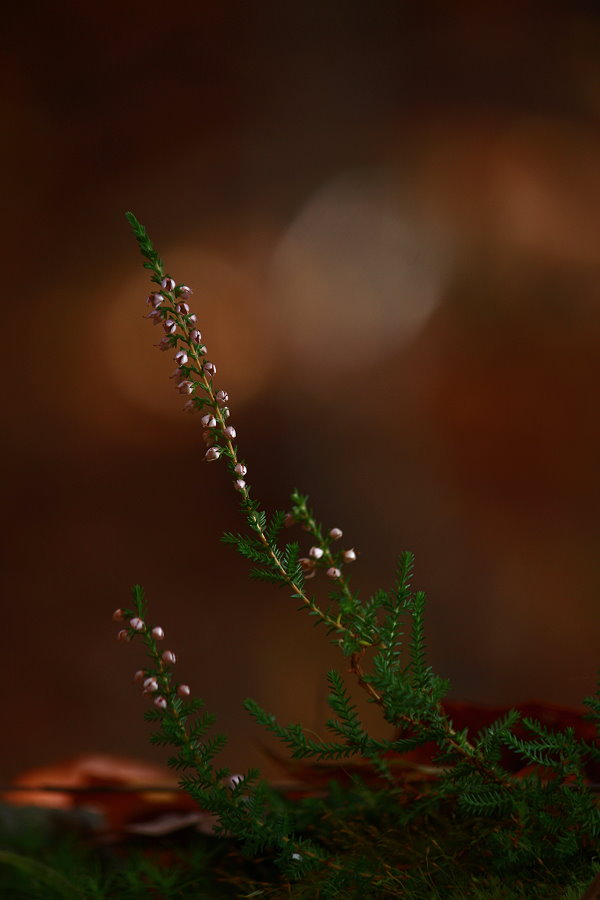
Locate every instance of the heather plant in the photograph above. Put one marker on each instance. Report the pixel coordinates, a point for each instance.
(381, 835)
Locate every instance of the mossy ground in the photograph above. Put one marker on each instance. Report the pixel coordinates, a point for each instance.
(36, 864)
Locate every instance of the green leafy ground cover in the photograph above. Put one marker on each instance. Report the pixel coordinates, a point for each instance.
(41, 864)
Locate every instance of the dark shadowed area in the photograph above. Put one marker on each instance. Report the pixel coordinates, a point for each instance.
(390, 216)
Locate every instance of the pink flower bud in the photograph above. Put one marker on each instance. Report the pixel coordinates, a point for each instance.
(136, 624)
(155, 315)
(308, 565)
(191, 320)
(333, 572)
(184, 690)
(315, 552)
(208, 421)
(202, 350)
(225, 412)
(155, 300)
(157, 633)
(209, 369)
(184, 291)
(170, 326)
(185, 387)
(190, 406)
(139, 676)
(168, 656)
(160, 702)
(234, 780)
(336, 533)
(349, 556)
(164, 344)
(181, 358)
(222, 396)
(241, 469)
(183, 309)
(118, 615)
(195, 336)
(123, 636)
(150, 685)
(167, 284)
(212, 454)
(230, 432)
(240, 484)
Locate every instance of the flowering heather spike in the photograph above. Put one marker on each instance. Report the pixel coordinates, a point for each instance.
(472, 781)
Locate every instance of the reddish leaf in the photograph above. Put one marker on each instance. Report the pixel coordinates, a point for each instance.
(91, 778)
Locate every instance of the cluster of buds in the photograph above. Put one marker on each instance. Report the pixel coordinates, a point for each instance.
(155, 684)
(319, 556)
(170, 308)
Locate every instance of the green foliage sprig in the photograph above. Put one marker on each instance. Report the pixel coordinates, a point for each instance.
(546, 821)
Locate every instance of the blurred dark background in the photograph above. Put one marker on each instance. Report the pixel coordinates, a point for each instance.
(390, 215)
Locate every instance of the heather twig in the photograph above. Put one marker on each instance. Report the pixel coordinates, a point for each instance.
(547, 818)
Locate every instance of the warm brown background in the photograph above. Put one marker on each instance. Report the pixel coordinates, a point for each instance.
(391, 217)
